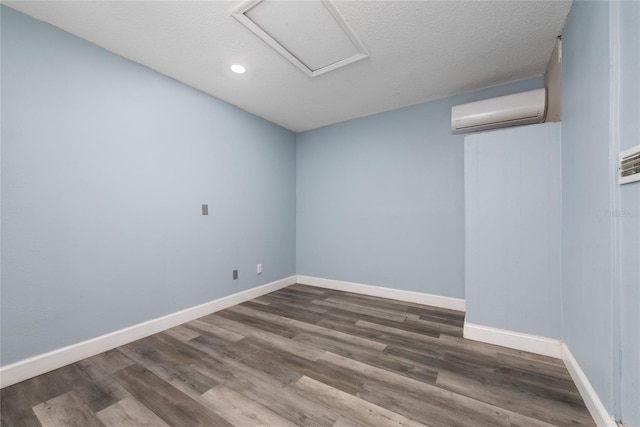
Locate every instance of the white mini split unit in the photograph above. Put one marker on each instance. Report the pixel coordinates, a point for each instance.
(512, 110)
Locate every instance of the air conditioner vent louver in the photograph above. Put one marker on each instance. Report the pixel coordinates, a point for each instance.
(630, 165)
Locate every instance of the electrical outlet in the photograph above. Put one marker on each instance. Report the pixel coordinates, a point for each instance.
(259, 269)
(235, 274)
(205, 209)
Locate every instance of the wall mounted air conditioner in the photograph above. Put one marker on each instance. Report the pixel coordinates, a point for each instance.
(512, 110)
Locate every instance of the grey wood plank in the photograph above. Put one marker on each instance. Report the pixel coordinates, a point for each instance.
(434, 360)
(424, 402)
(547, 410)
(508, 377)
(394, 310)
(397, 330)
(268, 392)
(411, 307)
(129, 413)
(186, 387)
(436, 327)
(289, 368)
(214, 347)
(281, 302)
(66, 410)
(306, 289)
(386, 322)
(148, 359)
(433, 413)
(94, 387)
(285, 297)
(346, 422)
(181, 333)
(268, 338)
(110, 361)
(214, 330)
(15, 409)
(282, 366)
(553, 375)
(241, 411)
(43, 387)
(261, 300)
(298, 326)
(174, 349)
(375, 358)
(358, 309)
(348, 326)
(393, 338)
(429, 310)
(497, 376)
(335, 335)
(470, 346)
(173, 406)
(370, 302)
(435, 318)
(522, 421)
(534, 361)
(171, 362)
(359, 410)
(435, 311)
(437, 347)
(289, 311)
(248, 320)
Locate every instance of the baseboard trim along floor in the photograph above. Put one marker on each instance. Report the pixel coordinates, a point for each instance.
(515, 340)
(382, 292)
(306, 355)
(37, 365)
(28, 368)
(591, 400)
(546, 347)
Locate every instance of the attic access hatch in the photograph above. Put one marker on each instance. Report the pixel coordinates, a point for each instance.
(312, 35)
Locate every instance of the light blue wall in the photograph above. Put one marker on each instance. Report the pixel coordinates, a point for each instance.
(513, 205)
(601, 220)
(630, 213)
(380, 199)
(105, 164)
(587, 191)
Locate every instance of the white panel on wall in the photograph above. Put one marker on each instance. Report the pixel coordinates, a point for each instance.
(513, 236)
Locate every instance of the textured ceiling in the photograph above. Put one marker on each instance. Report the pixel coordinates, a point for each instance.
(419, 51)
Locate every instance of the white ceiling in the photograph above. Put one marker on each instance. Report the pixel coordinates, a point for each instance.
(419, 51)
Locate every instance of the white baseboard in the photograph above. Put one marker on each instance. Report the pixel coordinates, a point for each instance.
(516, 340)
(595, 406)
(547, 347)
(379, 291)
(28, 368)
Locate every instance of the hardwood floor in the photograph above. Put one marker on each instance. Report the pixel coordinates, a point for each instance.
(305, 356)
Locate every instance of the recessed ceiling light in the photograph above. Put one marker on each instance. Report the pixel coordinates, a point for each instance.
(238, 69)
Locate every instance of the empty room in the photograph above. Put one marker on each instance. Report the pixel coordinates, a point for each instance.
(320, 213)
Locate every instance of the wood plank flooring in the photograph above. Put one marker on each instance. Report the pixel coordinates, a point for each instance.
(305, 356)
